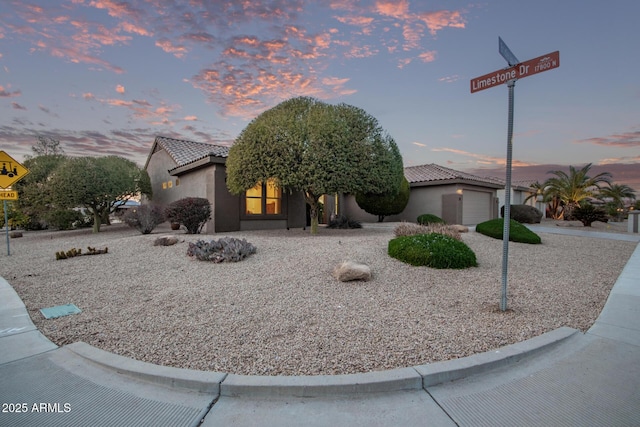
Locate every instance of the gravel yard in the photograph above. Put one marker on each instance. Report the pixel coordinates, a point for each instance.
(280, 311)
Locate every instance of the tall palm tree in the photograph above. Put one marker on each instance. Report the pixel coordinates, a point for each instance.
(576, 186)
(617, 193)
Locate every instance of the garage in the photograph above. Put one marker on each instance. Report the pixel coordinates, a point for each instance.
(476, 207)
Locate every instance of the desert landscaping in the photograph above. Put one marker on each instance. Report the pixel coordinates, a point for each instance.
(280, 311)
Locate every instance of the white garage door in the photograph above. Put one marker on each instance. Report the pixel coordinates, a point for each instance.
(476, 207)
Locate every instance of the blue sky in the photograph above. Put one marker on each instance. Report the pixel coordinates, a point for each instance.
(106, 77)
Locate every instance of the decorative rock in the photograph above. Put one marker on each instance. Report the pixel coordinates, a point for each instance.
(165, 241)
(349, 270)
(15, 234)
(460, 228)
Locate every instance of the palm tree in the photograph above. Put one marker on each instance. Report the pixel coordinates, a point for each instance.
(617, 193)
(576, 186)
(542, 193)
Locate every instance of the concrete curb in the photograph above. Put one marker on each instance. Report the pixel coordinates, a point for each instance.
(451, 370)
(200, 381)
(401, 379)
(321, 385)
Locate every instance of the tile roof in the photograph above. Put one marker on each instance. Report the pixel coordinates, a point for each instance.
(184, 152)
(433, 172)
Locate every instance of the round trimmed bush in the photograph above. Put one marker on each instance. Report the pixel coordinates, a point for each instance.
(425, 219)
(432, 250)
(517, 232)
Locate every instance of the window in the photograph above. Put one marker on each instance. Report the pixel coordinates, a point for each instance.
(264, 199)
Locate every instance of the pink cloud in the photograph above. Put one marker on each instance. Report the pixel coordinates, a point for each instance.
(4, 93)
(119, 88)
(429, 56)
(442, 19)
(167, 45)
(394, 9)
(625, 139)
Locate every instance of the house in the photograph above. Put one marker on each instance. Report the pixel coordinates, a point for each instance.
(457, 197)
(179, 168)
(522, 193)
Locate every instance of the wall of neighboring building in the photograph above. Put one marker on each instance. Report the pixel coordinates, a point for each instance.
(446, 201)
(423, 200)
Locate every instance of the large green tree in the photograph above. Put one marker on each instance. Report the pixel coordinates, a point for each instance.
(35, 201)
(310, 146)
(99, 184)
(575, 186)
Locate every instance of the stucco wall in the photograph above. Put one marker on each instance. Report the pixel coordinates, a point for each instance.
(423, 200)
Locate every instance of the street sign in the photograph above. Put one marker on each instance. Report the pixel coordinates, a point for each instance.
(518, 71)
(8, 195)
(10, 170)
(506, 53)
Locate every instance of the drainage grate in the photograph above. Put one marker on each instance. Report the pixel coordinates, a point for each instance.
(59, 311)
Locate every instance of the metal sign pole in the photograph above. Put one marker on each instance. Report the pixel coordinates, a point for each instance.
(507, 200)
(6, 225)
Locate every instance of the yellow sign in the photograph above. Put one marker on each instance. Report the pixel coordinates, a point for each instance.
(8, 195)
(10, 170)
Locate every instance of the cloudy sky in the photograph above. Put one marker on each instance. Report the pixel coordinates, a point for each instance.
(106, 77)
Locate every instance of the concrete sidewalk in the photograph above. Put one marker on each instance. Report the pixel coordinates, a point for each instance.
(563, 377)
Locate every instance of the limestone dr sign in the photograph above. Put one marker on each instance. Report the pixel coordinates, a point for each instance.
(515, 71)
(518, 71)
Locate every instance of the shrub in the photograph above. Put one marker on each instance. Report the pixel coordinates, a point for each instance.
(587, 214)
(425, 219)
(385, 204)
(144, 218)
(64, 219)
(226, 249)
(524, 214)
(517, 232)
(411, 229)
(342, 221)
(432, 250)
(192, 212)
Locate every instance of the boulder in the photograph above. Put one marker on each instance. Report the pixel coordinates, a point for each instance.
(460, 228)
(349, 270)
(15, 234)
(524, 214)
(165, 241)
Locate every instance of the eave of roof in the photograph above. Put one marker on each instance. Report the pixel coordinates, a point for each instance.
(432, 174)
(184, 152)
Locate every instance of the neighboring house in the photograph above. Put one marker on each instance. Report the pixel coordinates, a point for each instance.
(457, 197)
(179, 168)
(520, 191)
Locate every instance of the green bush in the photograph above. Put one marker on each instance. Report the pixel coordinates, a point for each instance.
(425, 219)
(64, 219)
(144, 218)
(517, 232)
(432, 250)
(385, 204)
(587, 214)
(192, 212)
